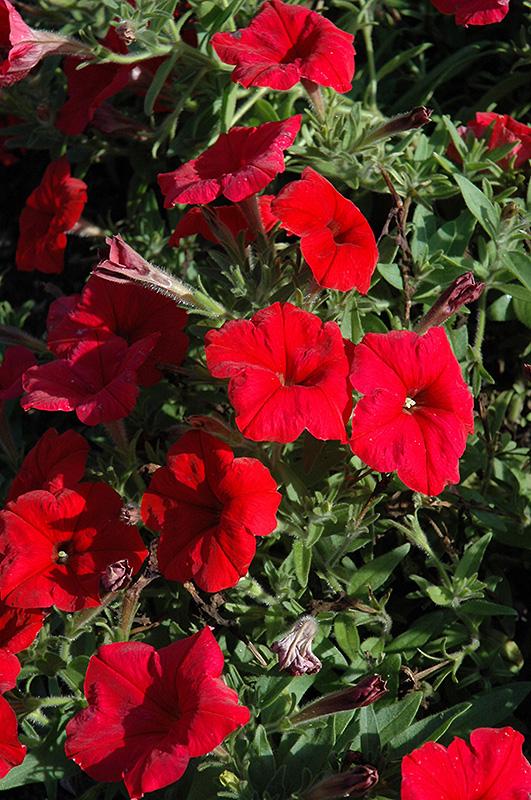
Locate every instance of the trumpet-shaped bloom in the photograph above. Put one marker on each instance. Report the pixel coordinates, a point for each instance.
(474, 12)
(157, 709)
(336, 239)
(106, 309)
(497, 130)
(209, 508)
(491, 767)
(12, 753)
(98, 380)
(287, 373)
(285, 44)
(239, 164)
(194, 221)
(416, 412)
(56, 546)
(58, 460)
(16, 361)
(51, 210)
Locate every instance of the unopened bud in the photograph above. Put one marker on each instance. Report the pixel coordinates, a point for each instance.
(125, 265)
(415, 118)
(130, 514)
(465, 289)
(116, 576)
(354, 783)
(364, 693)
(294, 650)
(527, 371)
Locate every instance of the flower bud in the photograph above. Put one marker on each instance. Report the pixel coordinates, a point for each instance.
(364, 693)
(465, 289)
(130, 514)
(354, 783)
(116, 576)
(415, 118)
(125, 31)
(294, 650)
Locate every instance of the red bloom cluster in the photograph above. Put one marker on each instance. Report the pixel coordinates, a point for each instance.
(491, 767)
(497, 130)
(474, 12)
(209, 507)
(288, 372)
(416, 412)
(157, 709)
(285, 44)
(56, 545)
(51, 210)
(239, 164)
(336, 239)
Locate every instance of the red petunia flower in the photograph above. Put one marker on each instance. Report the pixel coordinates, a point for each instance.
(491, 767)
(88, 88)
(336, 239)
(209, 507)
(12, 753)
(284, 44)
(473, 12)
(21, 47)
(51, 210)
(416, 412)
(16, 361)
(57, 461)
(56, 546)
(98, 380)
(194, 221)
(18, 627)
(497, 130)
(158, 709)
(239, 164)
(288, 372)
(108, 309)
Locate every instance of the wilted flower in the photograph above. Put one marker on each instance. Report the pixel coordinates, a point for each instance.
(116, 576)
(415, 118)
(465, 289)
(354, 783)
(294, 650)
(367, 691)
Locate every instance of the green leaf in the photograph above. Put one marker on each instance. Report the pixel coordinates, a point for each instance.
(493, 707)
(347, 636)
(472, 558)
(479, 205)
(395, 718)
(483, 608)
(302, 559)
(376, 572)
(516, 291)
(520, 266)
(429, 729)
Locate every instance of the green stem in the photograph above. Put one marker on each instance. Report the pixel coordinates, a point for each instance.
(245, 107)
(372, 88)
(480, 329)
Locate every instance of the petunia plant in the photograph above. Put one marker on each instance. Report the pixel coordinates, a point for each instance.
(264, 407)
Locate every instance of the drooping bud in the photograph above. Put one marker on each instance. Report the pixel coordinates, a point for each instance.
(116, 576)
(294, 650)
(125, 265)
(465, 289)
(354, 783)
(367, 691)
(415, 118)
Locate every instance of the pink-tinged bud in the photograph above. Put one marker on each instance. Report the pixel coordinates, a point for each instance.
(21, 47)
(116, 576)
(415, 118)
(465, 289)
(130, 514)
(294, 650)
(367, 691)
(125, 265)
(354, 783)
